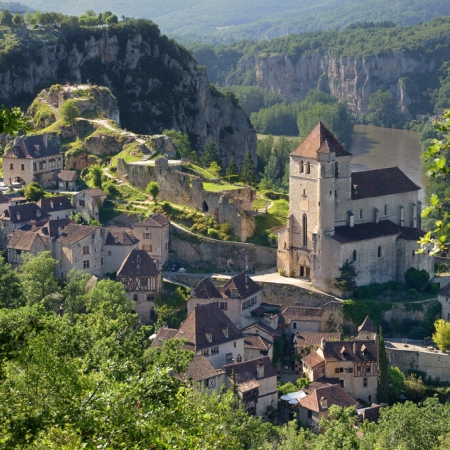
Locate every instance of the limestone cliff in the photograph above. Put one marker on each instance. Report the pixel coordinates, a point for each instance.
(157, 83)
(350, 79)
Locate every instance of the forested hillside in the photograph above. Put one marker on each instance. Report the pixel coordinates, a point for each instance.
(409, 62)
(217, 21)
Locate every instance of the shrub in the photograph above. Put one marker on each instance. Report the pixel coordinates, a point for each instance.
(433, 288)
(416, 279)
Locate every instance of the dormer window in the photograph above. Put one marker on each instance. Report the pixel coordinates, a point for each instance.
(18, 215)
(38, 213)
(344, 352)
(225, 331)
(208, 334)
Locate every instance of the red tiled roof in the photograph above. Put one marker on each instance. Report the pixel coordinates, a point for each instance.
(252, 341)
(73, 233)
(120, 236)
(308, 339)
(96, 192)
(22, 240)
(199, 369)
(65, 175)
(163, 334)
(333, 394)
(313, 360)
(155, 220)
(300, 313)
(262, 326)
(320, 140)
(379, 182)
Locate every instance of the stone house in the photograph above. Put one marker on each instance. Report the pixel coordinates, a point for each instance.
(306, 341)
(14, 217)
(256, 381)
(238, 298)
(315, 405)
(58, 207)
(79, 247)
(118, 244)
(65, 180)
(367, 330)
(257, 346)
(88, 203)
(324, 318)
(353, 362)
(31, 158)
(371, 218)
(444, 298)
(24, 241)
(153, 236)
(142, 281)
(267, 332)
(209, 332)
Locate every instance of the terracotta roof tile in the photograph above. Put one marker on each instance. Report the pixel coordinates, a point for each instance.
(300, 313)
(207, 320)
(350, 351)
(163, 334)
(263, 327)
(320, 140)
(138, 263)
(22, 240)
(199, 369)
(333, 394)
(308, 339)
(379, 182)
(31, 147)
(73, 233)
(120, 236)
(155, 220)
(50, 227)
(368, 325)
(366, 231)
(252, 341)
(313, 360)
(96, 192)
(246, 372)
(65, 175)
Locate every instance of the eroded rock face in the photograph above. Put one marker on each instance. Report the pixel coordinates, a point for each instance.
(157, 85)
(350, 79)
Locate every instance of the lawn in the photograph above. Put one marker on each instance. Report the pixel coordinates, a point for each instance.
(200, 170)
(129, 154)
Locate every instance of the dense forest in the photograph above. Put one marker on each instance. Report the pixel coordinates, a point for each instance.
(215, 21)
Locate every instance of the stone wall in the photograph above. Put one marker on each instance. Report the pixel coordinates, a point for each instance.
(234, 207)
(192, 249)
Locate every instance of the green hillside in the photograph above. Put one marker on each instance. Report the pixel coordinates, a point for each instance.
(217, 21)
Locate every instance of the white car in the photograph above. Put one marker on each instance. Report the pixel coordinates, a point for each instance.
(182, 270)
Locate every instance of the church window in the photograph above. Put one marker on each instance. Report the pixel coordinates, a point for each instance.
(308, 168)
(302, 167)
(365, 382)
(361, 213)
(305, 231)
(335, 193)
(385, 210)
(336, 169)
(413, 254)
(354, 255)
(379, 251)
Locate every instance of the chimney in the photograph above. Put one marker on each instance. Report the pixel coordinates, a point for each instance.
(323, 403)
(260, 370)
(322, 343)
(45, 139)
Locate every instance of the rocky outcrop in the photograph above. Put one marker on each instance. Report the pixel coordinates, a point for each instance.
(156, 82)
(350, 79)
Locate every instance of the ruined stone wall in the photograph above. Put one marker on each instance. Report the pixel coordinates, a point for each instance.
(192, 249)
(230, 207)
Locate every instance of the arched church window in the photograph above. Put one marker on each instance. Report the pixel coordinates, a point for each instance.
(336, 169)
(301, 167)
(308, 167)
(354, 255)
(379, 251)
(304, 231)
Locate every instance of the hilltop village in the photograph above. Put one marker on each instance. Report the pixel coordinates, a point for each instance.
(265, 315)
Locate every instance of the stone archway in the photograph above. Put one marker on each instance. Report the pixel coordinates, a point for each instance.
(304, 266)
(205, 206)
(19, 180)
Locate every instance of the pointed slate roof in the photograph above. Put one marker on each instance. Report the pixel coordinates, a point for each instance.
(74, 232)
(367, 325)
(24, 212)
(65, 175)
(138, 263)
(206, 289)
(243, 283)
(207, 320)
(57, 203)
(31, 147)
(3, 198)
(320, 140)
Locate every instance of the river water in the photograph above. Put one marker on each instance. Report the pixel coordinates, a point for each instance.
(376, 147)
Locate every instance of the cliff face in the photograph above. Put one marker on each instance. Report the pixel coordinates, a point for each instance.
(350, 79)
(156, 82)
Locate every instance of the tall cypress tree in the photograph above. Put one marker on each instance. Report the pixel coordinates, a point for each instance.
(383, 374)
(248, 173)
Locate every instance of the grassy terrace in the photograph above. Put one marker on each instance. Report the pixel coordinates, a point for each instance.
(200, 170)
(213, 187)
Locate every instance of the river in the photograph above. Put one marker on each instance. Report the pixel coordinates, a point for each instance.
(376, 147)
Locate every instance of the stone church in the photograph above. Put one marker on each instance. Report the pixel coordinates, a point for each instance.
(371, 218)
